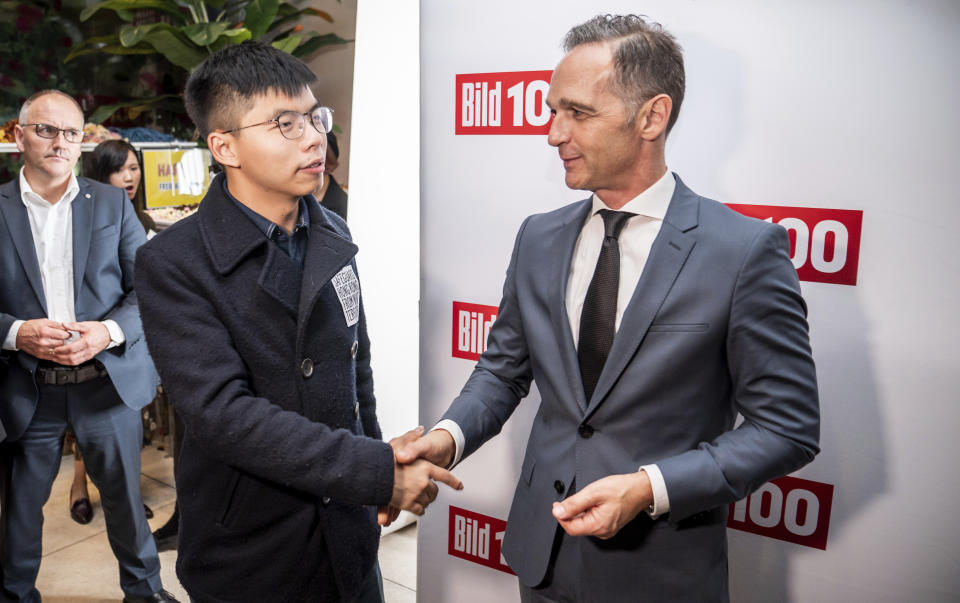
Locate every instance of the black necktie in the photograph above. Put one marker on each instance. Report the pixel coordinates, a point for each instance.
(598, 319)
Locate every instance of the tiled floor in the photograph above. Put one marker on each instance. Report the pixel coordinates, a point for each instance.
(78, 565)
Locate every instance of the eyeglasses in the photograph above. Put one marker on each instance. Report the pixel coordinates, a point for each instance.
(291, 124)
(51, 132)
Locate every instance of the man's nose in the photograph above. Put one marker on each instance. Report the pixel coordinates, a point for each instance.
(558, 132)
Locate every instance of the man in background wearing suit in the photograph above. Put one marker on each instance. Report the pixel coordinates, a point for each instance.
(73, 349)
(649, 317)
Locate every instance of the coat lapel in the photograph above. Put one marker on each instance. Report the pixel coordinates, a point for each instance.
(667, 256)
(565, 241)
(15, 216)
(327, 253)
(82, 210)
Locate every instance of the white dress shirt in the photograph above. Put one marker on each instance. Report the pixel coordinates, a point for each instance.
(51, 225)
(636, 240)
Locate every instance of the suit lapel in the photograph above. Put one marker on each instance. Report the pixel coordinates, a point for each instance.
(667, 257)
(15, 216)
(565, 241)
(82, 232)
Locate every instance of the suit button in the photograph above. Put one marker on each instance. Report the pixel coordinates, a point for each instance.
(354, 348)
(356, 410)
(559, 487)
(585, 431)
(306, 368)
(326, 500)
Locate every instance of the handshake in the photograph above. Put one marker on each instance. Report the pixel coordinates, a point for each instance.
(418, 461)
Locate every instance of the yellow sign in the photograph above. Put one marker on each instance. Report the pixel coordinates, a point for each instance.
(175, 177)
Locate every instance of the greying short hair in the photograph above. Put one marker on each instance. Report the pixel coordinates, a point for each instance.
(26, 104)
(647, 59)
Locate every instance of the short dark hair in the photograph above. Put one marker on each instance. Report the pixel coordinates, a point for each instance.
(222, 86)
(22, 116)
(647, 59)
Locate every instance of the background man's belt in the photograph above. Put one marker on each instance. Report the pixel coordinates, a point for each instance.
(49, 373)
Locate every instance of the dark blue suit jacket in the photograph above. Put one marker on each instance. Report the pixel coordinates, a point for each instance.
(282, 452)
(106, 235)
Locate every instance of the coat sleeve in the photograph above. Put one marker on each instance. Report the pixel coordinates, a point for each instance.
(774, 389)
(206, 379)
(503, 374)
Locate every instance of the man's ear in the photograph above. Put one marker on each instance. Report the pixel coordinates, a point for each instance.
(18, 134)
(221, 146)
(654, 117)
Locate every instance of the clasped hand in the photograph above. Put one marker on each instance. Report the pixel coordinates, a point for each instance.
(49, 340)
(418, 465)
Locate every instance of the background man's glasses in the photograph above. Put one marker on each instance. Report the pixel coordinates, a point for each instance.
(51, 132)
(292, 124)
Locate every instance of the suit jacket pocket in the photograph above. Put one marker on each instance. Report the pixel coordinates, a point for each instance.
(106, 231)
(681, 327)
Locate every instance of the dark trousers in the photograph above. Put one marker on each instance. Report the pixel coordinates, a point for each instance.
(109, 434)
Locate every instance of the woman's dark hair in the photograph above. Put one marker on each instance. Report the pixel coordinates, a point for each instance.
(109, 157)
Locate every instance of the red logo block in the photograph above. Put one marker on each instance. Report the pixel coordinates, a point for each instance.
(471, 326)
(477, 538)
(790, 509)
(824, 243)
(512, 102)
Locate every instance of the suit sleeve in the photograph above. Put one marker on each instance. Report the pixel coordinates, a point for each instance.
(503, 374)
(127, 313)
(774, 388)
(227, 420)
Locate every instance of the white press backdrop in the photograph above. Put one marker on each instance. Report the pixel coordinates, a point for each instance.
(849, 105)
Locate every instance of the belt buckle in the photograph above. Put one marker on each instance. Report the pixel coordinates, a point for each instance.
(65, 377)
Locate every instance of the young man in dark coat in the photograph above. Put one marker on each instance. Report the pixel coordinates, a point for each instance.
(253, 314)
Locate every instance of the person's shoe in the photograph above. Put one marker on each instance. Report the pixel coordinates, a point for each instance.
(147, 511)
(157, 597)
(81, 511)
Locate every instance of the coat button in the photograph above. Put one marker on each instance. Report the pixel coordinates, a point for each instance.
(306, 368)
(585, 431)
(326, 500)
(559, 487)
(354, 348)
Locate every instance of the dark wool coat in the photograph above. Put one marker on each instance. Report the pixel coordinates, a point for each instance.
(282, 449)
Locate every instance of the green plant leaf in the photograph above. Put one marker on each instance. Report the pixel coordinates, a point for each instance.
(177, 50)
(231, 37)
(104, 112)
(204, 34)
(90, 46)
(259, 16)
(123, 8)
(287, 44)
(131, 35)
(317, 42)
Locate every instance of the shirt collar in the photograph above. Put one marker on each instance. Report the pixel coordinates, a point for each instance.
(271, 229)
(652, 202)
(28, 196)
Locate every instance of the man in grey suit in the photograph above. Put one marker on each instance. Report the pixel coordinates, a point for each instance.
(649, 317)
(73, 350)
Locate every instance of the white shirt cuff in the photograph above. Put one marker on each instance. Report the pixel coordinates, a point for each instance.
(454, 430)
(661, 502)
(116, 333)
(10, 343)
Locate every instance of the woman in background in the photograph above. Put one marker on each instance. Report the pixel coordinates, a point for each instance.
(116, 162)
